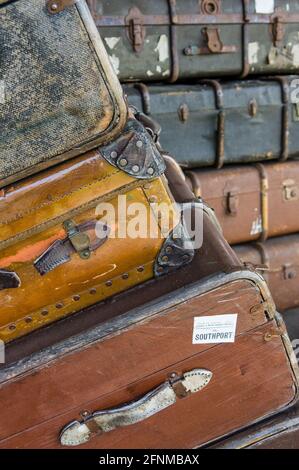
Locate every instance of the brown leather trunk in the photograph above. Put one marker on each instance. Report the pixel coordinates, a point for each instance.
(150, 349)
(252, 202)
(280, 256)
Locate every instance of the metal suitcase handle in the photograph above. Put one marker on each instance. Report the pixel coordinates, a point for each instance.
(77, 433)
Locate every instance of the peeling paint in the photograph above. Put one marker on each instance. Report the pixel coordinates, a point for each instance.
(257, 226)
(149, 73)
(158, 69)
(253, 49)
(295, 52)
(163, 48)
(264, 6)
(166, 73)
(111, 42)
(115, 63)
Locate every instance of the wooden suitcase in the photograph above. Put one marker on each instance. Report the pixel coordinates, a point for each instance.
(61, 247)
(214, 122)
(279, 258)
(121, 384)
(252, 202)
(181, 39)
(59, 95)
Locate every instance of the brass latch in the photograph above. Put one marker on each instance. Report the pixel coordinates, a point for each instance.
(290, 190)
(214, 44)
(135, 28)
(79, 240)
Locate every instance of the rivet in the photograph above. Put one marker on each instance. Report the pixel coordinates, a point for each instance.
(54, 6)
(28, 319)
(173, 375)
(268, 337)
(85, 254)
(76, 298)
(50, 197)
(169, 250)
(44, 313)
(153, 199)
(140, 269)
(160, 269)
(12, 327)
(123, 162)
(165, 259)
(150, 170)
(59, 305)
(139, 143)
(109, 283)
(113, 154)
(93, 291)
(135, 168)
(147, 186)
(125, 276)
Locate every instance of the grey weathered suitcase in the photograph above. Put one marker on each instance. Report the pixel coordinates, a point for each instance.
(171, 39)
(59, 95)
(214, 122)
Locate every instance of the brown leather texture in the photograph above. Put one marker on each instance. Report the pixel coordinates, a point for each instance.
(33, 214)
(252, 377)
(252, 202)
(279, 260)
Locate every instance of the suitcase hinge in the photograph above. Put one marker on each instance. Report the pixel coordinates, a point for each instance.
(9, 280)
(135, 28)
(214, 44)
(56, 6)
(290, 191)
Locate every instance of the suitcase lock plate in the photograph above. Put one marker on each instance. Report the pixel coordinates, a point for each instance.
(214, 44)
(79, 240)
(290, 191)
(135, 29)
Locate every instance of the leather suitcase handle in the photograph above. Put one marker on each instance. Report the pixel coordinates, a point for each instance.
(77, 433)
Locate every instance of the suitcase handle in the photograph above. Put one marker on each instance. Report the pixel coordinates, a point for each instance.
(214, 44)
(77, 433)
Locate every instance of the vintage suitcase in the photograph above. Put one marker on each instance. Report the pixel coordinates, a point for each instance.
(86, 230)
(280, 258)
(59, 96)
(121, 385)
(213, 123)
(252, 202)
(179, 39)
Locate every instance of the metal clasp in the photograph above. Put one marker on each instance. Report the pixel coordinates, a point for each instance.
(232, 203)
(278, 31)
(135, 28)
(79, 240)
(290, 190)
(289, 272)
(214, 44)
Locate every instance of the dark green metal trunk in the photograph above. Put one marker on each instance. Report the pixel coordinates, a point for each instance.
(178, 39)
(212, 123)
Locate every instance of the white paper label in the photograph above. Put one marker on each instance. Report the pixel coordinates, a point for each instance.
(215, 329)
(264, 6)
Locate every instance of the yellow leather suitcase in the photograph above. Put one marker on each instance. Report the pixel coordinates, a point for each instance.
(60, 248)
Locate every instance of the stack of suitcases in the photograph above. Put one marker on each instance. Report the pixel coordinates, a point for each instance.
(112, 337)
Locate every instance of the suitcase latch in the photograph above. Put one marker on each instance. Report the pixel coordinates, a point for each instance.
(278, 31)
(214, 44)
(79, 240)
(135, 28)
(289, 272)
(290, 191)
(232, 203)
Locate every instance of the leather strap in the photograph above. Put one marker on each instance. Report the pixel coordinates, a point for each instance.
(9, 280)
(77, 433)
